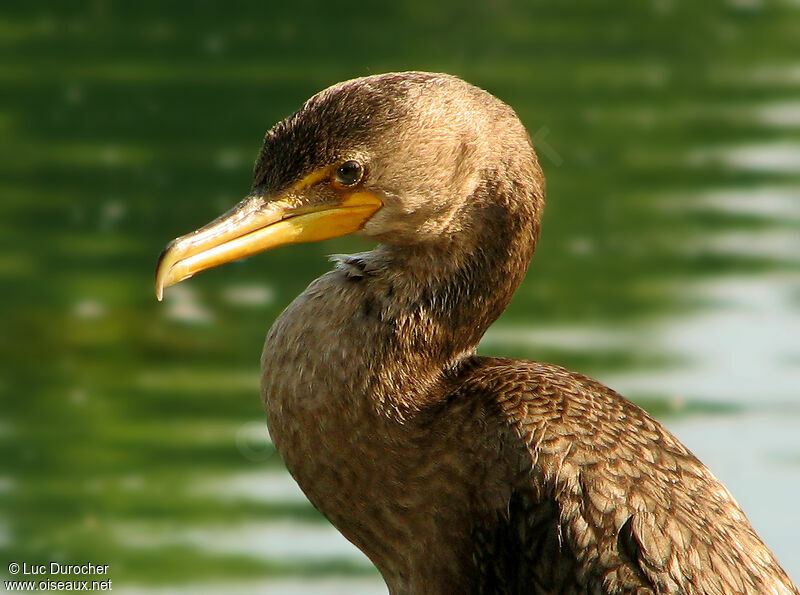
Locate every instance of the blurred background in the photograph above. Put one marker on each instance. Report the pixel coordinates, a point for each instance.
(132, 432)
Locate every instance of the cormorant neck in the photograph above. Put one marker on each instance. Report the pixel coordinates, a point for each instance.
(438, 298)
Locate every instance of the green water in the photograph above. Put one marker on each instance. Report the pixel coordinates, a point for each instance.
(132, 433)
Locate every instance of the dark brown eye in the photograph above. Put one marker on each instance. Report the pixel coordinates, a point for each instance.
(348, 173)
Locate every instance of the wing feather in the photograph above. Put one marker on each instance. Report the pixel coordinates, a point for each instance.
(634, 510)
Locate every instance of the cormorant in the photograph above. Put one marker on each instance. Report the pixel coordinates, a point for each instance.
(453, 472)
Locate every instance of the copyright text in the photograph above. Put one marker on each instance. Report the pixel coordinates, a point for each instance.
(56, 576)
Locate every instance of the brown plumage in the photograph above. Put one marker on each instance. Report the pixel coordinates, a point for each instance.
(456, 473)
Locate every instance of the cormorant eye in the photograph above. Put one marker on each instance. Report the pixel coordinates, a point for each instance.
(348, 174)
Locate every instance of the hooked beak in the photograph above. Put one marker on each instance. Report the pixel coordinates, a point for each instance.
(256, 225)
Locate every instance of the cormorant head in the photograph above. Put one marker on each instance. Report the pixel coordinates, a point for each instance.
(404, 158)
